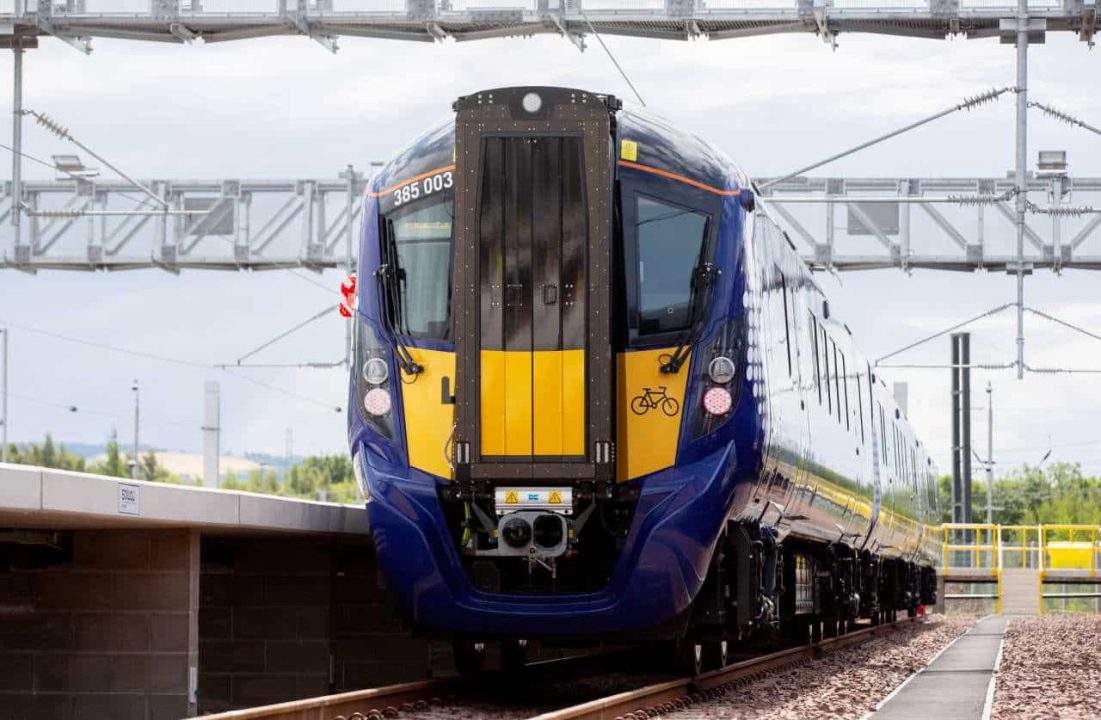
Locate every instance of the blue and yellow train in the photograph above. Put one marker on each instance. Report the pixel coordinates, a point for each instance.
(599, 395)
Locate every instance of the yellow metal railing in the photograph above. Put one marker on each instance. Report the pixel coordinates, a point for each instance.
(981, 548)
(969, 549)
(1019, 547)
(979, 552)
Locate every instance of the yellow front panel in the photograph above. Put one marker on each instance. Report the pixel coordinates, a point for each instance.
(650, 408)
(491, 385)
(517, 404)
(428, 421)
(573, 402)
(547, 369)
(559, 386)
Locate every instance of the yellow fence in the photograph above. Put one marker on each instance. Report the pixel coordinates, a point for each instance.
(979, 549)
(1064, 557)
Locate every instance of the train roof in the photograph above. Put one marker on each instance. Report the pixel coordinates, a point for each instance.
(657, 143)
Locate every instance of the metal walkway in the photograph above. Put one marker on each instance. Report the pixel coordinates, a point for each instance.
(21, 21)
(955, 685)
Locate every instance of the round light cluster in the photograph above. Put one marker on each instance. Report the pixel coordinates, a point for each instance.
(375, 371)
(721, 370)
(717, 401)
(377, 402)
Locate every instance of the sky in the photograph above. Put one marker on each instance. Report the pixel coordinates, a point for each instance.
(285, 107)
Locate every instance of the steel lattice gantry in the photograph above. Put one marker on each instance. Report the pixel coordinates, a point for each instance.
(209, 224)
(76, 21)
(836, 223)
(939, 223)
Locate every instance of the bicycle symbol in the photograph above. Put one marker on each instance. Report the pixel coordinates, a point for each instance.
(652, 399)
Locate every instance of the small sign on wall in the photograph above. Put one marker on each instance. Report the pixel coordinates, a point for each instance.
(129, 499)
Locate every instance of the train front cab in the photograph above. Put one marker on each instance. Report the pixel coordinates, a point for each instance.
(550, 468)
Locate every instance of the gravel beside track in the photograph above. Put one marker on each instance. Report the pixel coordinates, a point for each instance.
(1051, 668)
(847, 683)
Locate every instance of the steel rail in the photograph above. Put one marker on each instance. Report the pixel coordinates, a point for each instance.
(672, 695)
(371, 704)
(391, 700)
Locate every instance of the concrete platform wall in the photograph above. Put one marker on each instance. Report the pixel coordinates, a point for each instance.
(111, 633)
(287, 618)
(145, 601)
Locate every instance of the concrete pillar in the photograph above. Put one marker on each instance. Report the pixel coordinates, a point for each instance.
(211, 433)
(902, 397)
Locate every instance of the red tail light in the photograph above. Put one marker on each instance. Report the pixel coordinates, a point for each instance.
(348, 290)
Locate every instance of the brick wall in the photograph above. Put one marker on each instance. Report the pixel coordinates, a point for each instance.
(281, 619)
(108, 632)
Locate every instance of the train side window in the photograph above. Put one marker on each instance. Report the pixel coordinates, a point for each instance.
(859, 405)
(883, 437)
(813, 327)
(671, 245)
(845, 384)
(897, 449)
(839, 382)
(787, 321)
(871, 397)
(826, 370)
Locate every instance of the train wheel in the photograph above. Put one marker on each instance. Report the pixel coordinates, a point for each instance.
(470, 656)
(712, 656)
(689, 657)
(514, 654)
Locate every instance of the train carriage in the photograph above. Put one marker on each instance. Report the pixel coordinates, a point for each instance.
(598, 394)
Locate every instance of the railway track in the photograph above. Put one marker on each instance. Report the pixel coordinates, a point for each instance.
(442, 698)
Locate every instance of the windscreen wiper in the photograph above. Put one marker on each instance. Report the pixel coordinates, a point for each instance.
(702, 277)
(389, 276)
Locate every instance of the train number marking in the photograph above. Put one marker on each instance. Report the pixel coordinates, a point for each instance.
(422, 188)
(649, 400)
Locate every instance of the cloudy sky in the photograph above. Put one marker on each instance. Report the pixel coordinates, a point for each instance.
(285, 107)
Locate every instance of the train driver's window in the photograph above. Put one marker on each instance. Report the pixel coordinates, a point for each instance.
(417, 239)
(671, 248)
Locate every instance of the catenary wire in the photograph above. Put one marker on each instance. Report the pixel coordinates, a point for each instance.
(992, 311)
(165, 359)
(613, 59)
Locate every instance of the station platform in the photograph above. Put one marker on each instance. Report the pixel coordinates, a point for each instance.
(151, 601)
(957, 684)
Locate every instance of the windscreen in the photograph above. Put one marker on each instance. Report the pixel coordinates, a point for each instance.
(418, 239)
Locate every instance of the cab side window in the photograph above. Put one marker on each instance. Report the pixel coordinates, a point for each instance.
(670, 245)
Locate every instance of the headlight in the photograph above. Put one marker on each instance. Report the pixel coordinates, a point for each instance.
(375, 371)
(532, 102)
(721, 370)
(377, 402)
(717, 401)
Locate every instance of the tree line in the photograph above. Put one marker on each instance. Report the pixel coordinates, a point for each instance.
(320, 477)
(1059, 494)
(1056, 494)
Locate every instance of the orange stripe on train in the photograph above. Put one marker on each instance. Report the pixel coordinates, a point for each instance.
(680, 178)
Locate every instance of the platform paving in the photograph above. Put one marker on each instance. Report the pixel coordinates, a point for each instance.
(954, 686)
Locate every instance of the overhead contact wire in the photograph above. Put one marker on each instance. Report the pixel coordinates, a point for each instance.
(967, 104)
(612, 58)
